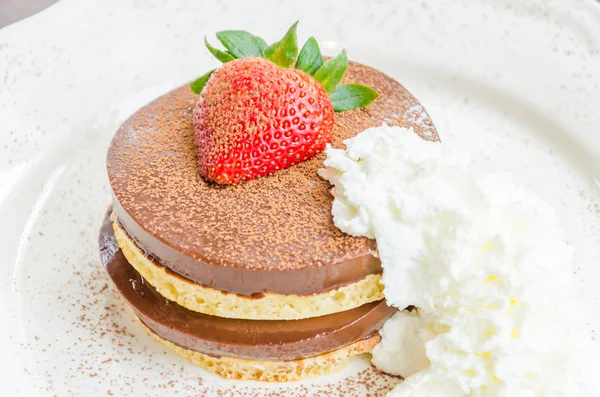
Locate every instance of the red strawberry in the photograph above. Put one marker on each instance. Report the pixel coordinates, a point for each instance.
(256, 115)
(254, 118)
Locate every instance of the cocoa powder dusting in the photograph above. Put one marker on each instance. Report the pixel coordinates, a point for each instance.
(281, 221)
(112, 355)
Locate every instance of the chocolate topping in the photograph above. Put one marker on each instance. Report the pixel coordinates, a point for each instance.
(216, 336)
(272, 234)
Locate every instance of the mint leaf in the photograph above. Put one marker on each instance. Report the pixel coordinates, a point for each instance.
(200, 82)
(241, 44)
(332, 71)
(310, 58)
(352, 96)
(220, 55)
(284, 52)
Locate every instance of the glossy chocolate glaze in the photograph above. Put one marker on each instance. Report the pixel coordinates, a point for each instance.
(249, 283)
(216, 336)
(272, 234)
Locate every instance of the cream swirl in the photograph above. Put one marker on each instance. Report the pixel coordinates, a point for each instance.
(484, 260)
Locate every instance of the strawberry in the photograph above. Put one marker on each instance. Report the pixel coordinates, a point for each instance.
(254, 118)
(256, 115)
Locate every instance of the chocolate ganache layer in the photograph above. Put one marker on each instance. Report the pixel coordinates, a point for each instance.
(271, 234)
(252, 339)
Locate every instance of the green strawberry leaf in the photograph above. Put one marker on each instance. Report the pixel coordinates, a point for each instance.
(220, 55)
(310, 58)
(352, 96)
(200, 82)
(241, 44)
(332, 71)
(284, 52)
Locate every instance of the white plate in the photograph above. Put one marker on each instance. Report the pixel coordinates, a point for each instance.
(517, 83)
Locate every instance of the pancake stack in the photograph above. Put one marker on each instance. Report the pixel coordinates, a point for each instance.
(250, 281)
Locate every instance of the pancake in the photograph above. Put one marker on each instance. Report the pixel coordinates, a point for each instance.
(244, 348)
(267, 306)
(270, 235)
(250, 281)
(275, 371)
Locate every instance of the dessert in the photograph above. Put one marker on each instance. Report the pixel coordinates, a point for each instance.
(224, 245)
(248, 349)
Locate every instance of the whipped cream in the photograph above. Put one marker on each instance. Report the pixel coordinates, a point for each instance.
(483, 259)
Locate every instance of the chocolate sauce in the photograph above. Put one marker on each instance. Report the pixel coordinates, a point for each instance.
(216, 336)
